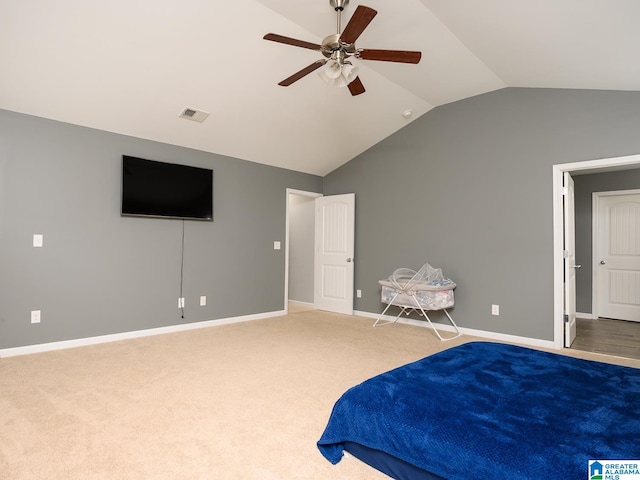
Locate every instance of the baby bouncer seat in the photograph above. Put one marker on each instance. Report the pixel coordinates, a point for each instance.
(418, 291)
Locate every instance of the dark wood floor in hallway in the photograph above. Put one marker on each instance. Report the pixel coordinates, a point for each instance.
(611, 337)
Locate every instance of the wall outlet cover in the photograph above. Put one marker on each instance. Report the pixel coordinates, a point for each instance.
(38, 240)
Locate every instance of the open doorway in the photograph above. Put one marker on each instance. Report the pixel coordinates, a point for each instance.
(319, 251)
(584, 256)
(299, 250)
(607, 218)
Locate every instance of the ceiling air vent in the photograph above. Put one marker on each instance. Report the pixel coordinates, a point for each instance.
(193, 114)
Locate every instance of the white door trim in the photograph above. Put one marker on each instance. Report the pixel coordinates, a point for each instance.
(289, 192)
(558, 227)
(596, 196)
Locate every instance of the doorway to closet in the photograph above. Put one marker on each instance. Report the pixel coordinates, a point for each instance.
(334, 253)
(299, 250)
(320, 250)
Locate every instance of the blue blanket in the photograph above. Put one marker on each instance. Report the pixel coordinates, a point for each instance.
(490, 410)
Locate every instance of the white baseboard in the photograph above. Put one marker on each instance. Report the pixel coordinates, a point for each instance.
(533, 342)
(84, 342)
(115, 337)
(588, 316)
(302, 304)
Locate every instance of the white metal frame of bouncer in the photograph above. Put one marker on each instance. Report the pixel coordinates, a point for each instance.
(409, 309)
(418, 308)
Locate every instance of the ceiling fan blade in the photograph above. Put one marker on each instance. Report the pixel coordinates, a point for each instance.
(356, 87)
(302, 73)
(359, 21)
(291, 41)
(400, 56)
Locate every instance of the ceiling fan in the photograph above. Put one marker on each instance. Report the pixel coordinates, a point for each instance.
(339, 47)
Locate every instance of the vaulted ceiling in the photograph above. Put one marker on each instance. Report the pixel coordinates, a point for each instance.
(132, 66)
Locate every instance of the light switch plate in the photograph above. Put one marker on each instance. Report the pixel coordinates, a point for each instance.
(38, 240)
(276, 245)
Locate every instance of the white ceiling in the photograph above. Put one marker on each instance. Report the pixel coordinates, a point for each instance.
(132, 66)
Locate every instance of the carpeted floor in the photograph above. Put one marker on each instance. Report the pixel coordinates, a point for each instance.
(241, 401)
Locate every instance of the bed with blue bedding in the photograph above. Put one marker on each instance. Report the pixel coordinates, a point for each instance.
(489, 410)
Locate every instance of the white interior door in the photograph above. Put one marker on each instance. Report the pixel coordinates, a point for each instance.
(334, 246)
(569, 261)
(618, 257)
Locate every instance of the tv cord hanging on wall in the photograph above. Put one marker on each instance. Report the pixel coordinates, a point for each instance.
(182, 271)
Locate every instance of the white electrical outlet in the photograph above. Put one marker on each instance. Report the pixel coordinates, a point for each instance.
(276, 245)
(203, 300)
(495, 309)
(35, 316)
(359, 293)
(38, 240)
(181, 302)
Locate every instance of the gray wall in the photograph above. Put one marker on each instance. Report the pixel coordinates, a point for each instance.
(301, 247)
(585, 186)
(100, 273)
(468, 187)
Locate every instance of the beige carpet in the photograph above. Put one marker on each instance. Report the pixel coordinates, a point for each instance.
(242, 401)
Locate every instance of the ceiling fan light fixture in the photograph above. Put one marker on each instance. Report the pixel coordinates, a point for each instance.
(336, 74)
(330, 71)
(349, 72)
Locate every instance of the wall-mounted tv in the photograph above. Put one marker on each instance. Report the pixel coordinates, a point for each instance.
(166, 190)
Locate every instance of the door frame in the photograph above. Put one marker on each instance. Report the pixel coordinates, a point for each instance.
(569, 254)
(289, 192)
(595, 240)
(598, 165)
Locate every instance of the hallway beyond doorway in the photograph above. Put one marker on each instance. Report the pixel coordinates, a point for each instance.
(607, 336)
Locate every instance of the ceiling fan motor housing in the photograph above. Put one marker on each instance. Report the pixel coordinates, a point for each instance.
(332, 44)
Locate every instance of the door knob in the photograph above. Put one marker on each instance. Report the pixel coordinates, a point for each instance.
(602, 262)
(348, 260)
(577, 266)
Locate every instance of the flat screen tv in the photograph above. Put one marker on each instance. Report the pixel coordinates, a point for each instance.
(166, 190)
